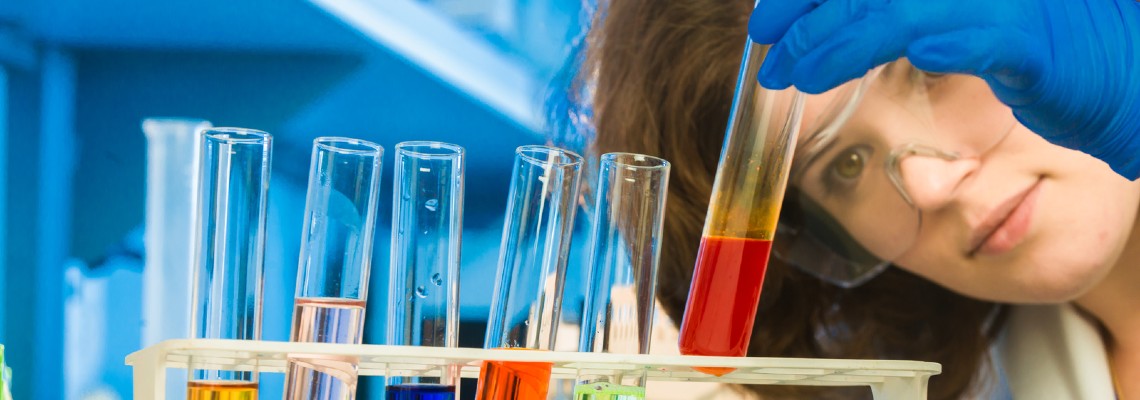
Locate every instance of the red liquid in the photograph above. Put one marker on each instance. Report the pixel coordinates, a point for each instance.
(723, 297)
(502, 380)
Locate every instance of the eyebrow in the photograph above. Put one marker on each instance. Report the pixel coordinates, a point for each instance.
(816, 147)
(810, 156)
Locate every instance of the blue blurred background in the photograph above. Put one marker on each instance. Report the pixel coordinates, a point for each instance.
(78, 77)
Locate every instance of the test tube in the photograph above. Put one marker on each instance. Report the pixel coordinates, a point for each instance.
(423, 294)
(626, 248)
(532, 265)
(336, 254)
(229, 253)
(741, 220)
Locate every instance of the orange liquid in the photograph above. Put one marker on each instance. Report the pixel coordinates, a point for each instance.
(721, 308)
(219, 390)
(512, 380)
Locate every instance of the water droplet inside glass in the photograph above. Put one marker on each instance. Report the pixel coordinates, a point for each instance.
(421, 292)
(436, 279)
(432, 204)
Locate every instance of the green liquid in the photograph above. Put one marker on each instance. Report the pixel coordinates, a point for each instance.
(608, 391)
(5, 377)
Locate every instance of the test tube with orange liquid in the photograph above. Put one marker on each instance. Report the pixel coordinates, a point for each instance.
(532, 265)
(229, 254)
(741, 220)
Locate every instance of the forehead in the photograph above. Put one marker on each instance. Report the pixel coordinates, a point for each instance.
(815, 107)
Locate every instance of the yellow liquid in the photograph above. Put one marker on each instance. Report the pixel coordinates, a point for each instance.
(217, 390)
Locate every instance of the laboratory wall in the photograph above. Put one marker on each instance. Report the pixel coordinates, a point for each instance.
(78, 78)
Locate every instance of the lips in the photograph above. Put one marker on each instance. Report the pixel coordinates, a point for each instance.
(1007, 224)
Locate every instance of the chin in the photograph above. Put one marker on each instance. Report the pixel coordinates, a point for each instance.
(1058, 275)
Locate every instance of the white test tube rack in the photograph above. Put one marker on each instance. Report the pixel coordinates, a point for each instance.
(888, 380)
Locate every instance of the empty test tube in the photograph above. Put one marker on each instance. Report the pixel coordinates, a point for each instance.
(336, 254)
(423, 302)
(532, 264)
(626, 247)
(229, 253)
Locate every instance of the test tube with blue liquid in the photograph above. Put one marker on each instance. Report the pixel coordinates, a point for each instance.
(427, 220)
(229, 254)
(625, 250)
(336, 255)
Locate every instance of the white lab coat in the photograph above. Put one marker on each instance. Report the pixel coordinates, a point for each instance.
(1053, 352)
(1046, 352)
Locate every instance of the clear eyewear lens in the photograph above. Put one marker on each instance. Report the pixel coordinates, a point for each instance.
(852, 212)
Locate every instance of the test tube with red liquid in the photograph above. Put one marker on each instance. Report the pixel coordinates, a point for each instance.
(532, 266)
(741, 220)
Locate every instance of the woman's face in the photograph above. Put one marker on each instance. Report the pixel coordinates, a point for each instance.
(1015, 219)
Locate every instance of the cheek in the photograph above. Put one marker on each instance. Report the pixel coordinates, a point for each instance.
(1078, 234)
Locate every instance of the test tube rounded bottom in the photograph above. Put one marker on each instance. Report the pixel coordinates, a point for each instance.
(723, 298)
(513, 380)
(420, 391)
(221, 390)
(608, 391)
(321, 377)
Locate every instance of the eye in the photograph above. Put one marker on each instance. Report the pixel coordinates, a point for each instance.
(846, 169)
(848, 165)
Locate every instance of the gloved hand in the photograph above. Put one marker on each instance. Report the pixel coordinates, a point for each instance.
(1067, 68)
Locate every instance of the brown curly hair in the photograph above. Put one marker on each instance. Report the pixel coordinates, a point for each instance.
(664, 73)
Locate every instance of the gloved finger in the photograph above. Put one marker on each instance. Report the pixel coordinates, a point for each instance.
(850, 53)
(805, 34)
(1008, 59)
(774, 73)
(772, 18)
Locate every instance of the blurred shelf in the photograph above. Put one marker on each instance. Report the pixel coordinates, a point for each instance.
(887, 379)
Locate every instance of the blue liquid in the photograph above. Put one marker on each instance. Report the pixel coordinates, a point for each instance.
(421, 391)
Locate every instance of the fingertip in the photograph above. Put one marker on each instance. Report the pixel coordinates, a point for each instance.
(773, 72)
(771, 83)
(936, 54)
(809, 78)
(813, 86)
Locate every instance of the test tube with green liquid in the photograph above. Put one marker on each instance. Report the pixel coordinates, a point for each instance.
(626, 248)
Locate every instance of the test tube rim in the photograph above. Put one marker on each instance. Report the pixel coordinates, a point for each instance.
(235, 135)
(567, 157)
(361, 147)
(617, 157)
(406, 148)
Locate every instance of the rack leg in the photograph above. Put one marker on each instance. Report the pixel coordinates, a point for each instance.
(149, 376)
(901, 388)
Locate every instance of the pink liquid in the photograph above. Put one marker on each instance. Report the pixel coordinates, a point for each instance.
(324, 320)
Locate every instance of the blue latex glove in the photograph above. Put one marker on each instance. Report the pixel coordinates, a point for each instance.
(1065, 67)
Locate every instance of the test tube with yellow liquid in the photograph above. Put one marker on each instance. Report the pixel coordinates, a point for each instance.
(741, 220)
(229, 253)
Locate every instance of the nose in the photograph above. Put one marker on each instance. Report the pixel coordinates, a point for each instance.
(932, 182)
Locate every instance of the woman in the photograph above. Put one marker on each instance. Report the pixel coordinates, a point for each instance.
(984, 223)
